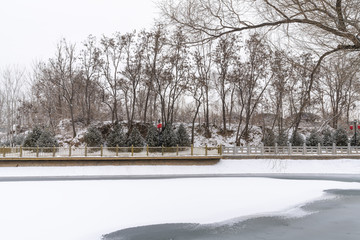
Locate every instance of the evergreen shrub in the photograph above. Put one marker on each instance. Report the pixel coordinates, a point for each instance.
(314, 139)
(183, 139)
(116, 137)
(136, 140)
(328, 138)
(340, 137)
(168, 138)
(93, 137)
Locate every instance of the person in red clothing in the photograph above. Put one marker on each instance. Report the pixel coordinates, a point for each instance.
(159, 126)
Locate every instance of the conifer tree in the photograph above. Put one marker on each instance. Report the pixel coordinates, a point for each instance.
(47, 139)
(152, 137)
(135, 139)
(328, 138)
(116, 137)
(32, 138)
(168, 137)
(340, 137)
(93, 137)
(183, 138)
(314, 139)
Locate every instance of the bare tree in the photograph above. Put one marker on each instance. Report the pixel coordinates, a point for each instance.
(251, 78)
(224, 57)
(66, 75)
(337, 86)
(12, 81)
(203, 61)
(282, 69)
(155, 66)
(90, 67)
(326, 26)
(133, 72)
(170, 74)
(111, 57)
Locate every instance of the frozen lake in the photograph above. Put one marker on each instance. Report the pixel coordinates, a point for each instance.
(331, 219)
(88, 209)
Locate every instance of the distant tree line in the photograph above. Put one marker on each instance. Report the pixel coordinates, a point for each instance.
(339, 137)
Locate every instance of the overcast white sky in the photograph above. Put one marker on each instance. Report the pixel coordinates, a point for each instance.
(30, 29)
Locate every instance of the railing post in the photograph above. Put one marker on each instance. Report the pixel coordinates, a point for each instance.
(54, 151)
(262, 149)
(319, 148)
(147, 150)
(69, 150)
(334, 148)
(3, 148)
(86, 150)
(192, 149)
(101, 150)
(162, 150)
(276, 148)
(132, 150)
(177, 149)
(20, 151)
(37, 151)
(248, 149)
(206, 150)
(290, 149)
(117, 150)
(349, 148)
(304, 148)
(235, 150)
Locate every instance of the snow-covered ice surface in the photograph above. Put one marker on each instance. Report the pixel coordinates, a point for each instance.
(86, 209)
(340, 166)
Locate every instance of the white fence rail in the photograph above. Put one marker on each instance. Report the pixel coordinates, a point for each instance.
(107, 152)
(291, 150)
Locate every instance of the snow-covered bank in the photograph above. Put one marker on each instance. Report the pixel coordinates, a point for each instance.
(76, 210)
(251, 166)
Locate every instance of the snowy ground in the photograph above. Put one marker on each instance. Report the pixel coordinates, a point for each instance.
(79, 210)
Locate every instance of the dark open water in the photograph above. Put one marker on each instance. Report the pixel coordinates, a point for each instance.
(334, 219)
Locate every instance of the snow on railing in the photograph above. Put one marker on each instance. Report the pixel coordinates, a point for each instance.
(109, 152)
(290, 150)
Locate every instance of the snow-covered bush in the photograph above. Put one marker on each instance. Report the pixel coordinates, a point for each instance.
(183, 138)
(168, 137)
(116, 137)
(314, 139)
(40, 137)
(297, 139)
(340, 137)
(32, 138)
(328, 138)
(269, 137)
(135, 139)
(152, 137)
(18, 140)
(47, 139)
(93, 137)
